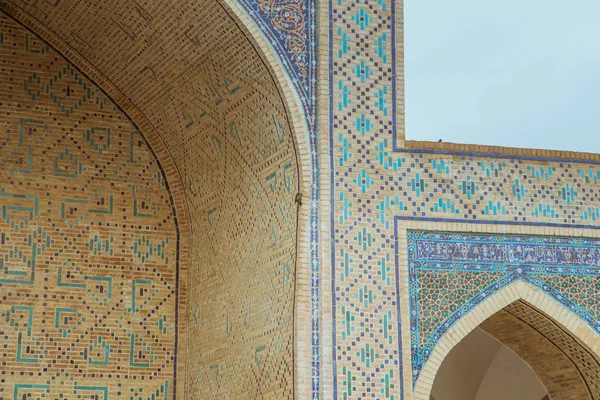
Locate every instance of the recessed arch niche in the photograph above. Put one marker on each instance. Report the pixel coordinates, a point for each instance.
(216, 109)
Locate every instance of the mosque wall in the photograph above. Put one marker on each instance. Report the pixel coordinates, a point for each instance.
(88, 238)
(379, 303)
(209, 104)
(421, 233)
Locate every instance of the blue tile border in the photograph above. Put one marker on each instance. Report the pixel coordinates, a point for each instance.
(496, 222)
(284, 23)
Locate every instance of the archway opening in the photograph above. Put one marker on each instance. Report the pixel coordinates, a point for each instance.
(519, 353)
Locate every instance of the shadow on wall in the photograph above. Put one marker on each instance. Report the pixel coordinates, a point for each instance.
(519, 353)
(481, 368)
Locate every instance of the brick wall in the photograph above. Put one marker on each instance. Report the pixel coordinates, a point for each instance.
(212, 112)
(567, 368)
(88, 240)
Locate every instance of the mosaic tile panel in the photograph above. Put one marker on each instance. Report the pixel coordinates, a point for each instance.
(88, 238)
(477, 265)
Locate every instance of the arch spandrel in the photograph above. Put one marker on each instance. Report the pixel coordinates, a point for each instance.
(516, 291)
(175, 87)
(450, 274)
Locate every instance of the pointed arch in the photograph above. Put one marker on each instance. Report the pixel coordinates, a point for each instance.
(134, 91)
(518, 290)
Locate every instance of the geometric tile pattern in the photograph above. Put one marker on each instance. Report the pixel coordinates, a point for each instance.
(452, 273)
(364, 169)
(473, 189)
(210, 98)
(243, 177)
(71, 246)
(244, 180)
(376, 185)
(192, 80)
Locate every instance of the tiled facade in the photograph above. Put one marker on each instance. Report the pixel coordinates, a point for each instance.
(301, 206)
(393, 302)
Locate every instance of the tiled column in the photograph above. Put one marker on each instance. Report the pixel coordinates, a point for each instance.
(364, 120)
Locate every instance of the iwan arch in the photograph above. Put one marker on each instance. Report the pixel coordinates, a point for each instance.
(202, 200)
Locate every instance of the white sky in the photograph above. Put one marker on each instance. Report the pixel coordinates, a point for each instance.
(518, 73)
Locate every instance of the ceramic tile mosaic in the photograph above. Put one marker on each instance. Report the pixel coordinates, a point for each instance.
(452, 273)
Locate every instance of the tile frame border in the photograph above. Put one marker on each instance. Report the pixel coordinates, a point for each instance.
(423, 385)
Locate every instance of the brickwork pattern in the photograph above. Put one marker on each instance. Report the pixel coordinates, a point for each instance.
(243, 183)
(206, 92)
(567, 368)
(88, 239)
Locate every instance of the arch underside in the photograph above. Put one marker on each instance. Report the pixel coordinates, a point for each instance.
(567, 368)
(198, 90)
(480, 367)
(522, 353)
